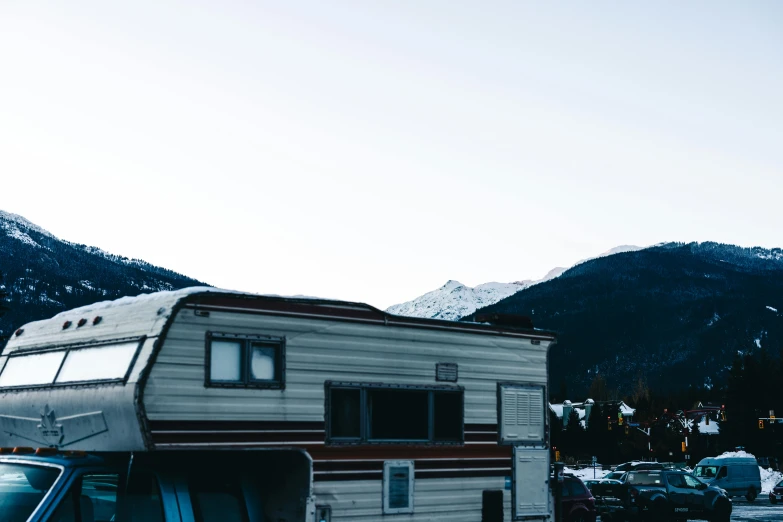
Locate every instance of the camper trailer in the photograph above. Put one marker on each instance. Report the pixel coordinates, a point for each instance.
(322, 410)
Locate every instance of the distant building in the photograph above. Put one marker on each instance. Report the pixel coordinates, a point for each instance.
(583, 409)
(707, 416)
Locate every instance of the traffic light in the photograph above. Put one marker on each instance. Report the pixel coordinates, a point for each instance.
(761, 424)
(609, 423)
(683, 446)
(627, 430)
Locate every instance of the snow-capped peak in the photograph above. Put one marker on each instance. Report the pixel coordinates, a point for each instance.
(454, 300)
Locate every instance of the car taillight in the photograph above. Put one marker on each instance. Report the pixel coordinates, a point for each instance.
(591, 502)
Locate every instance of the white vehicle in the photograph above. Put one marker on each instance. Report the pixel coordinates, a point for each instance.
(739, 476)
(375, 416)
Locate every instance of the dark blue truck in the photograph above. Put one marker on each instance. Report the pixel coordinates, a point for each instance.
(49, 485)
(663, 495)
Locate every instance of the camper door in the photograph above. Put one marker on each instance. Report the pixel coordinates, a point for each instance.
(531, 483)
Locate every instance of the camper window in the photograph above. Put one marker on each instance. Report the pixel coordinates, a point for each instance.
(32, 369)
(245, 361)
(394, 414)
(75, 364)
(99, 363)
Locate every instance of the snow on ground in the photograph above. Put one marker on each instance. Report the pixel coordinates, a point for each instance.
(769, 479)
(773, 309)
(586, 473)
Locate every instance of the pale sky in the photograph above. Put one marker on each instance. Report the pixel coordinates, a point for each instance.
(371, 151)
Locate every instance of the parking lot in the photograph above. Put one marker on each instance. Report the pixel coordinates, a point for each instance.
(760, 510)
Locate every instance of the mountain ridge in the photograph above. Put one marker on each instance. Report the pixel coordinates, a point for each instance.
(44, 275)
(455, 300)
(676, 314)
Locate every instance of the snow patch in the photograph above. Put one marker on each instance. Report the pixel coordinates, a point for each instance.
(14, 232)
(772, 309)
(769, 479)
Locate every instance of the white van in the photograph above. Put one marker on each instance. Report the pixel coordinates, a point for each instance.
(740, 476)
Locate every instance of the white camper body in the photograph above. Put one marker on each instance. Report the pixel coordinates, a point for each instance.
(403, 418)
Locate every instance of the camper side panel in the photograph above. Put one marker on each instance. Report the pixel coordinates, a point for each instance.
(321, 350)
(449, 480)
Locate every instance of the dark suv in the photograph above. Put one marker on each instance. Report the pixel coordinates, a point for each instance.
(578, 504)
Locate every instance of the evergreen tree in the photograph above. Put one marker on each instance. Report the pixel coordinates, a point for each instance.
(3, 308)
(598, 390)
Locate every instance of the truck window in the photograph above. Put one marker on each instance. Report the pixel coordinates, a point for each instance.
(644, 479)
(22, 488)
(92, 499)
(691, 482)
(217, 498)
(95, 498)
(676, 481)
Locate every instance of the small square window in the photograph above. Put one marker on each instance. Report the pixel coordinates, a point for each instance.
(263, 361)
(226, 361)
(245, 361)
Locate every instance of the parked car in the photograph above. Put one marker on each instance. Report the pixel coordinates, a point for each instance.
(739, 476)
(615, 475)
(578, 504)
(606, 493)
(660, 495)
(777, 493)
(638, 465)
(603, 486)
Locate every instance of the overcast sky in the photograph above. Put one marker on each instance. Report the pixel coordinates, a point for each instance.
(371, 151)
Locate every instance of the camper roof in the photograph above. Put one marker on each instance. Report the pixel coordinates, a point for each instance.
(147, 315)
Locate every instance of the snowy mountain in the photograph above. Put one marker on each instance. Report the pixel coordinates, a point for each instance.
(43, 275)
(455, 300)
(678, 314)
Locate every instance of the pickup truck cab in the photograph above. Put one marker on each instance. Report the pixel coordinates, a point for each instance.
(48, 485)
(661, 495)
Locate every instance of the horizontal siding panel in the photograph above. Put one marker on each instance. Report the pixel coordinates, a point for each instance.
(321, 350)
(434, 500)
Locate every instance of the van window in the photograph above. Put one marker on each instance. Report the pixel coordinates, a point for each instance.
(723, 472)
(706, 471)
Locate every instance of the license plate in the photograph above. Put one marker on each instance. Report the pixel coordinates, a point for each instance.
(779, 497)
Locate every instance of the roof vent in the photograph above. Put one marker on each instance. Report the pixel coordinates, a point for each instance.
(19, 332)
(81, 322)
(507, 320)
(97, 320)
(67, 324)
